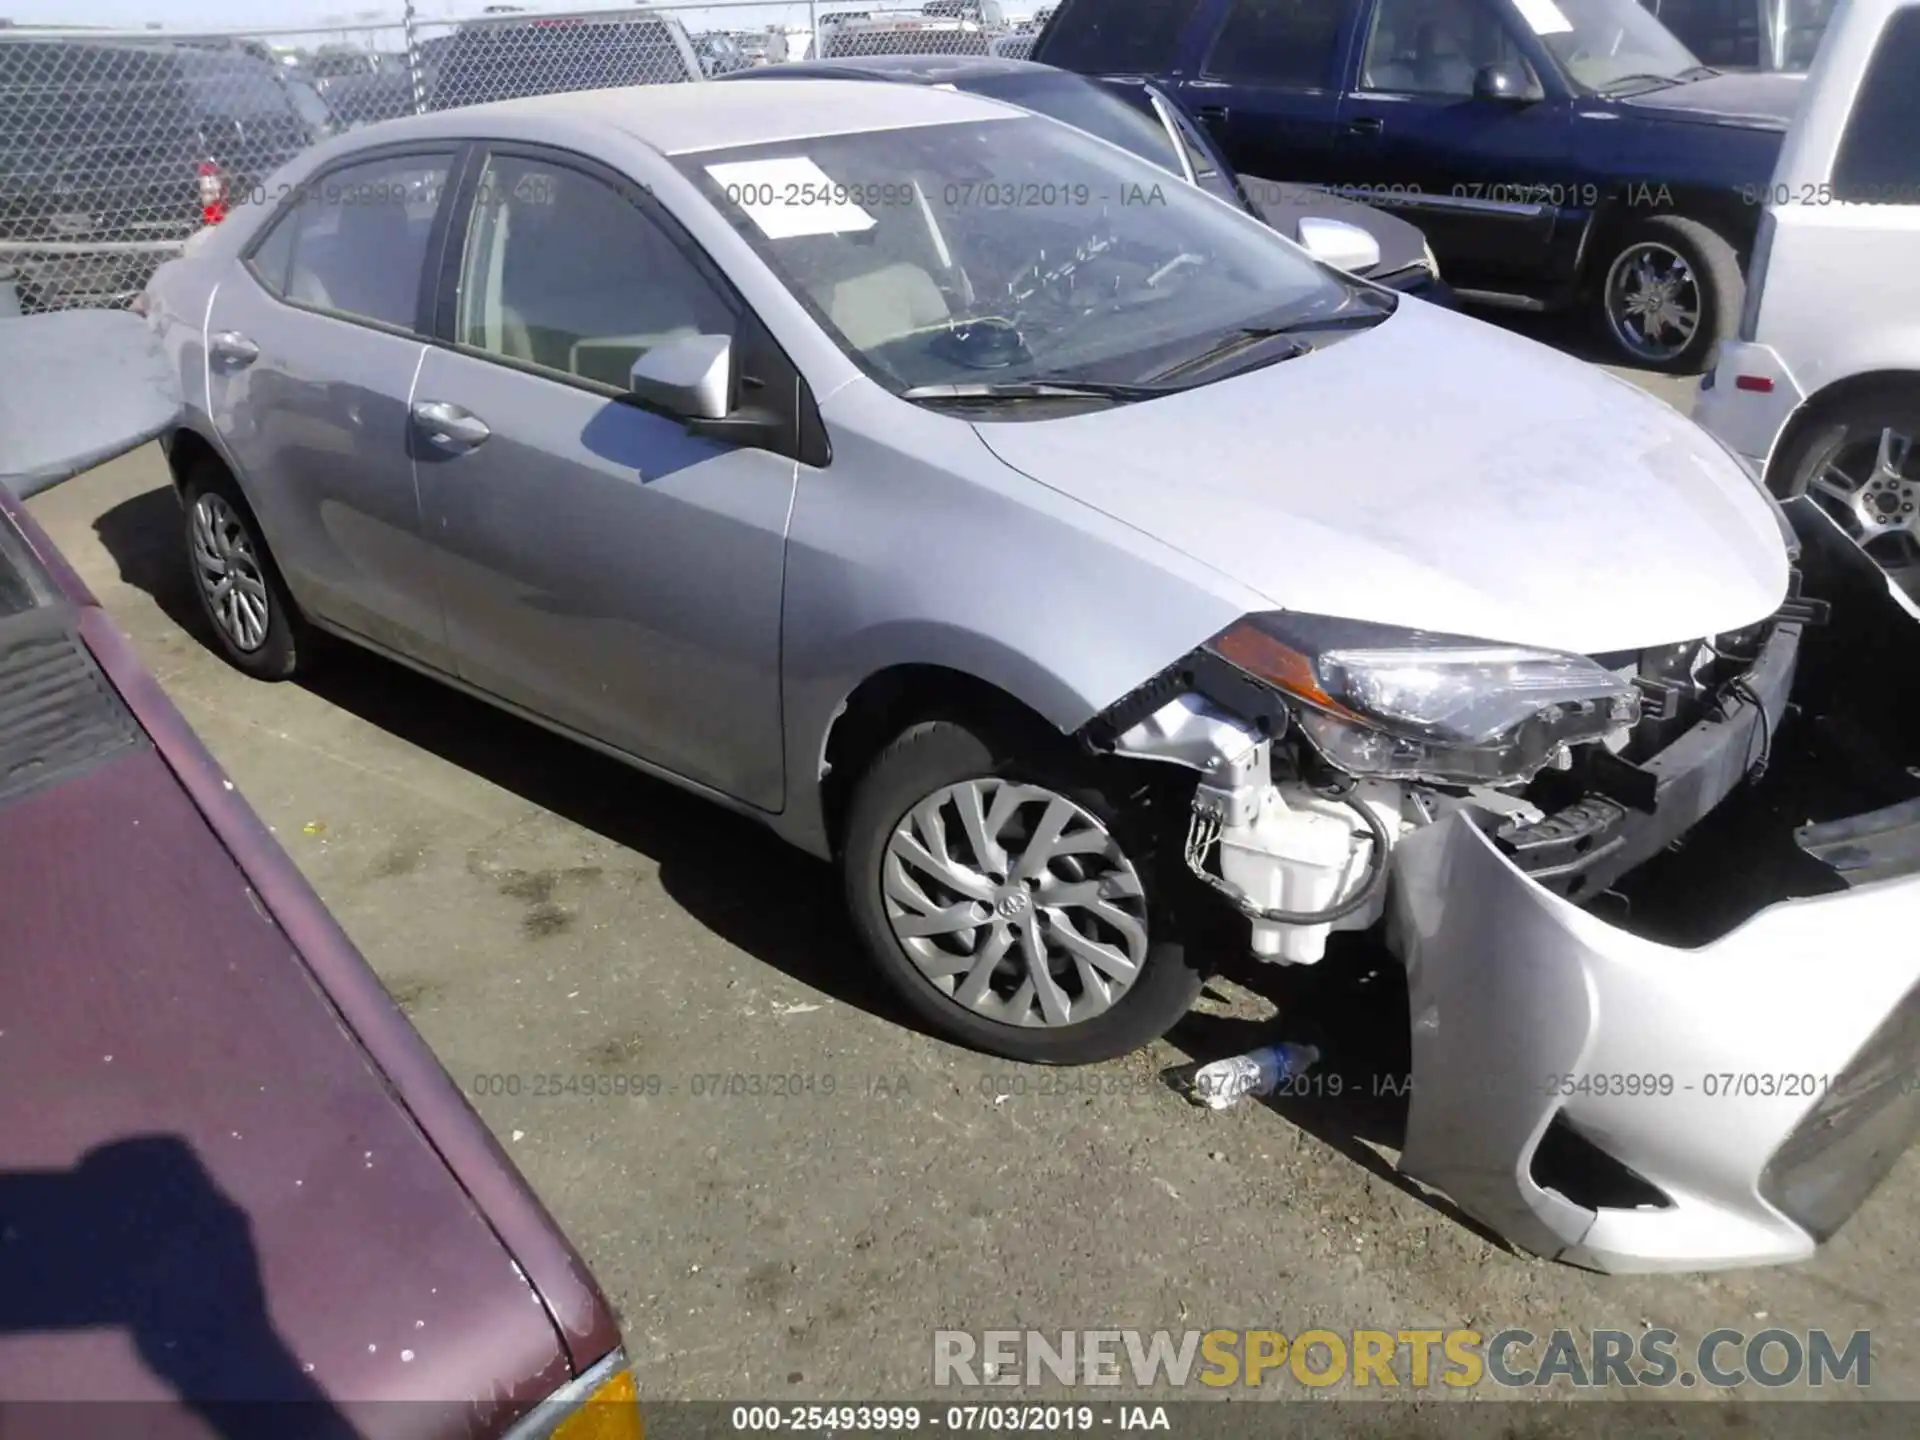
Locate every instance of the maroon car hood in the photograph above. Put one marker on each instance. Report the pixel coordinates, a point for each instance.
(208, 1187)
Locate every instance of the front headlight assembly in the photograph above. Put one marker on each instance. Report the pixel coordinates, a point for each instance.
(1385, 703)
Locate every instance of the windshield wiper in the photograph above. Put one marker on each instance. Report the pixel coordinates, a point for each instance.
(1245, 337)
(1036, 390)
(1698, 72)
(1645, 82)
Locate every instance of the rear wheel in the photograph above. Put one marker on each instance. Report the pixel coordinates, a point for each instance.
(1010, 900)
(1860, 462)
(1670, 290)
(241, 591)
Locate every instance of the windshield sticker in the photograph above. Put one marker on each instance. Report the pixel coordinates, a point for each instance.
(1544, 17)
(789, 197)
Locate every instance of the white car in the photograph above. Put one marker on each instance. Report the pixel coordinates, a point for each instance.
(1821, 391)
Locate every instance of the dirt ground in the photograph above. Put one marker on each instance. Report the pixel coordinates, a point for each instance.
(798, 1188)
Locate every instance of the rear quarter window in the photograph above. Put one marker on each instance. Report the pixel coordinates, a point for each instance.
(1115, 37)
(1879, 159)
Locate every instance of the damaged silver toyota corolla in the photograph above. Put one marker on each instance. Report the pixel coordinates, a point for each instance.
(1078, 563)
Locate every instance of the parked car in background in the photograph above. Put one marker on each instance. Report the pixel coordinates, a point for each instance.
(1747, 34)
(244, 1198)
(362, 86)
(1821, 388)
(935, 484)
(719, 53)
(1558, 153)
(941, 27)
(1135, 115)
(515, 55)
(113, 152)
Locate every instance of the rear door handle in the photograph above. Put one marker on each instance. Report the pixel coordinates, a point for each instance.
(1212, 116)
(1366, 125)
(448, 425)
(233, 347)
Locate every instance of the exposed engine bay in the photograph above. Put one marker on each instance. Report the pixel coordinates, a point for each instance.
(1616, 884)
(1579, 772)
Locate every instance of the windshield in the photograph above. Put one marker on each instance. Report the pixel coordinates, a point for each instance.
(1007, 251)
(1606, 45)
(1082, 104)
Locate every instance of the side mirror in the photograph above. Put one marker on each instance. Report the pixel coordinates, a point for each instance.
(1508, 82)
(691, 377)
(1335, 242)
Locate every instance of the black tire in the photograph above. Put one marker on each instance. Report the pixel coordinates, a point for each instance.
(935, 754)
(1856, 423)
(286, 642)
(1714, 271)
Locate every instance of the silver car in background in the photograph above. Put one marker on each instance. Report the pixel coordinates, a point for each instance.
(1081, 565)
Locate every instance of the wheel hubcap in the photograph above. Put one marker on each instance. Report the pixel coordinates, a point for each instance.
(1015, 903)
(1870, 484)
(228, 572)
(1653, 301)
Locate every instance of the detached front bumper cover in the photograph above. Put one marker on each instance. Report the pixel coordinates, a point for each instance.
(1734, 1102)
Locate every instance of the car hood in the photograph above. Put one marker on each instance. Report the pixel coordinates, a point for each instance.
(1435, 472)
(208, 1187)
(1767, 101)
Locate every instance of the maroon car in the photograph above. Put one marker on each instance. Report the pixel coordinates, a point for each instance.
(235, 1184)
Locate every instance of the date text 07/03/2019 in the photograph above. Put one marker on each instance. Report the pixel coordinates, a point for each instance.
(976, 1419)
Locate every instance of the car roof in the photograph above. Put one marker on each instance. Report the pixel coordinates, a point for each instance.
(698, 115)
(908, 69)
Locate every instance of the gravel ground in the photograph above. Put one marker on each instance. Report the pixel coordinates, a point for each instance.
(804, 1187)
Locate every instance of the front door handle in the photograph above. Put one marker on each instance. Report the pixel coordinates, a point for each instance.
(1214, 117)
(233, 348)
(448, 425)
(1366, 125)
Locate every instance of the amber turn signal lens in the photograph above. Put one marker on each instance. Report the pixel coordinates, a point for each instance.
(612, 1412)
(1262, 656)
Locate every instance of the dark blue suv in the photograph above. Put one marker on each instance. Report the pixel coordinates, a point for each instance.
(1556, 152)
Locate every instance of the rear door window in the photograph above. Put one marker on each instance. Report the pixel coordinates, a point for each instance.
(353, 242)
(1285, 44)
(1116, 37)
(1879, 160)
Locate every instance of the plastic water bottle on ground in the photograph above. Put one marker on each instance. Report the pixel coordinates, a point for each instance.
(1258, 1072)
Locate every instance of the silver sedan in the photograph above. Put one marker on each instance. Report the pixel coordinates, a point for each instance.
(1077, 562)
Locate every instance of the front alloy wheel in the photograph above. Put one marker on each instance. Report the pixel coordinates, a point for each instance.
(1015, 903)
(1017, 896)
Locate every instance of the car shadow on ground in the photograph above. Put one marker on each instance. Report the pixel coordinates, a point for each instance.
(790, 918)
(1352, 1006)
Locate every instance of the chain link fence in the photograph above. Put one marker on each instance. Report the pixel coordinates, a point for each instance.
(115, 146)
